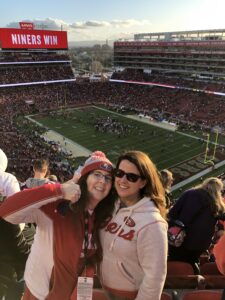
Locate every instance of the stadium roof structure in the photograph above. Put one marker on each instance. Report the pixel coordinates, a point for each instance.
(211, 34)
(198, 53)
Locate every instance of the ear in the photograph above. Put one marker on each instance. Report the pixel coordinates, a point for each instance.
(142, 183)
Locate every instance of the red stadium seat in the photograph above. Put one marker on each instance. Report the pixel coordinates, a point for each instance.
(201, 295)
(214, 281)
(184, 282)
(179, 268)
(209, 268)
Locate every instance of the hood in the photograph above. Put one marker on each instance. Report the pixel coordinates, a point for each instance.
(143, 205)
(34, 182)
(3, 161)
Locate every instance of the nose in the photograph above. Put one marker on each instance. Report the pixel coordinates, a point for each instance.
(102, 179)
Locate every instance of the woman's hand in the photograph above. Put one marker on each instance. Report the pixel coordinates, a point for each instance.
(71, 191)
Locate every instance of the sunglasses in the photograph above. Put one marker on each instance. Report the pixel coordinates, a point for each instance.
(130, 176)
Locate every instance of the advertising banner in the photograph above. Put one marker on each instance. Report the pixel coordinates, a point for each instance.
(13, 38)
(26, 25)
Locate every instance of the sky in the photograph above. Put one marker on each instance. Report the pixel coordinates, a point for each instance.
(87, 20)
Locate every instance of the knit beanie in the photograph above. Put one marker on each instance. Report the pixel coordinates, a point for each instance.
(3, 161)
(97, 161)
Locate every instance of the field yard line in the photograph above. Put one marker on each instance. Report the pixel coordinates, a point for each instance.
(67, 144)
(110, 111)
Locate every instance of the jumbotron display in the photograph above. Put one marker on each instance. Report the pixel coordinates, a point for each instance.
(14, 38)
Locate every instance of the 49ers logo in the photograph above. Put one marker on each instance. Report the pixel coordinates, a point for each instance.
(129, 221)
(114, 228)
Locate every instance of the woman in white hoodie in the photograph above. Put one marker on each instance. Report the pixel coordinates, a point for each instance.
(134, 240)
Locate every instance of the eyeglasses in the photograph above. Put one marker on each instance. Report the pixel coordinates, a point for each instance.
(130, 176)
(99, 176)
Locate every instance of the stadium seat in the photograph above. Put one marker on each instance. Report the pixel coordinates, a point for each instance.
(214, 281)
(184, 282)
(209, 268)
(99, 294)
(202, 295)
(180, 275)
(179, 268)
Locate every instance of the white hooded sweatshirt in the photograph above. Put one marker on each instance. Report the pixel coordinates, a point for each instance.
(134, 246)
(9, 185)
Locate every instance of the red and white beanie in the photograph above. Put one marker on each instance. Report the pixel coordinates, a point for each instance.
(97, 161)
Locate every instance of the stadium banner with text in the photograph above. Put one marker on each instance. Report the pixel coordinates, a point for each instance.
(13, 38)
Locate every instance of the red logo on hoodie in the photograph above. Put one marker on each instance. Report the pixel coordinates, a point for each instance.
(129, 221)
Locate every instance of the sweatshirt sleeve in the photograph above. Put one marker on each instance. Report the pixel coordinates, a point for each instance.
(12, 186)
(152, 255)
(219, 252)
(21, 207)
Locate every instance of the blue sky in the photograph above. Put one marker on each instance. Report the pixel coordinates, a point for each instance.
(101, 20)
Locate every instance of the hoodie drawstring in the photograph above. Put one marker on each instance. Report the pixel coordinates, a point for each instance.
(119, 231)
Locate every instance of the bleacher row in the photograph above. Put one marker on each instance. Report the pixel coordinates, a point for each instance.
(183, 284)
(204, 111)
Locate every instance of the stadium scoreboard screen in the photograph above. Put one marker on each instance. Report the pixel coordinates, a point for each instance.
(13, 38)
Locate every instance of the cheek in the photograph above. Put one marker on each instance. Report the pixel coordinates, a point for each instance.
(108, 188)
(116, 183)
(89, 185)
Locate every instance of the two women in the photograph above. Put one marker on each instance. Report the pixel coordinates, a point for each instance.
(134, 240)
(133, 231)
(66, 242)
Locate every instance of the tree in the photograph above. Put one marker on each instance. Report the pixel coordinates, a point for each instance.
(96, 67)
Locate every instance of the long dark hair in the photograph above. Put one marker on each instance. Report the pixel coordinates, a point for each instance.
(104, 208)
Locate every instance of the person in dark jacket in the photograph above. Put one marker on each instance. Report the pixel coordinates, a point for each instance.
(198, 209)
(14, 251)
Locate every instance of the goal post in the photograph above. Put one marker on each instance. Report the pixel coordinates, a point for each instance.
(209, 159)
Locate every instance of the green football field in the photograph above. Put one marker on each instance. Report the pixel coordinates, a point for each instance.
(166, 148)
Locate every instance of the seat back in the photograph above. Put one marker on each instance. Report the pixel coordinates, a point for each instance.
(202, 295)
(179, 268)
(209, 268)
(214, 281)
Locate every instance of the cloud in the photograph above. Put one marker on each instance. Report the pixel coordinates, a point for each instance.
(130, 22)
(91, 29)
(48, 23)
(88, 24)
(57, 24)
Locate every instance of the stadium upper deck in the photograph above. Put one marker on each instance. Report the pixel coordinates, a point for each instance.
(198, 54)
(32, 56)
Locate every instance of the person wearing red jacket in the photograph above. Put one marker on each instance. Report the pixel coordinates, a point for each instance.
(66, 240)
